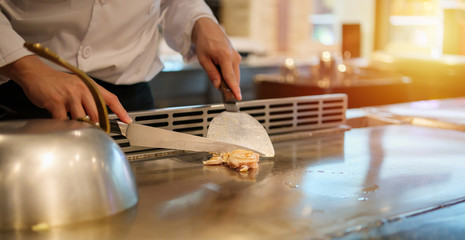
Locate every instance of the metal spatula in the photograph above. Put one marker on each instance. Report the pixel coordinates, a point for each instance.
(239, 128)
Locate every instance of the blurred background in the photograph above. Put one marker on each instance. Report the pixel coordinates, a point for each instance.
(376, 51)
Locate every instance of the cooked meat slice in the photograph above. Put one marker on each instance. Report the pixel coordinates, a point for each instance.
(216, 159)
(241, 160)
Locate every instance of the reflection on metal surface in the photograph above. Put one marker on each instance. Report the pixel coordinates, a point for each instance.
(109, 228)
(446, 114)
(445, 221)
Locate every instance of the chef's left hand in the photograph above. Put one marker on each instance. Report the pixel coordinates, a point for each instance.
(214, 48)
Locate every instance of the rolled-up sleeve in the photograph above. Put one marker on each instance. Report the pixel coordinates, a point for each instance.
(11, 44)
(179, 21)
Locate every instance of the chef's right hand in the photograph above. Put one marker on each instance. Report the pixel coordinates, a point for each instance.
(59, 92)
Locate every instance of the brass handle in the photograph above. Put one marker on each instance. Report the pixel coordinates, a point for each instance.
(44, 52)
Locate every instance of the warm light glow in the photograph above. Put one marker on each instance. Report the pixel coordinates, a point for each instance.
(323, 83)
(406, 79)
(77, 133)
(342, 68)
(17, 167)
(421, 37)
(289, 62)
(47, 160)
(385, 58)
(431, 104)
(326, 56)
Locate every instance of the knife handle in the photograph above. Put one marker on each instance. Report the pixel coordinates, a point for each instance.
(114, 127)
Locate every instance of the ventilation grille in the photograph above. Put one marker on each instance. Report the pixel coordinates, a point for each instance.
(278, 116)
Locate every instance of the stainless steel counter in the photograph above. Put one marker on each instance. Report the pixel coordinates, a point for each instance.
(444, 113)
(317, 187)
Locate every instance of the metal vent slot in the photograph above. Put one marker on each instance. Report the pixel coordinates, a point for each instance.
(247, 109)
(278, 116)
(282, 119)
(307, 103)
(158, 124)
(151, 117)
(303, 110)
(281, 126)
(331, 121)
(281, 105)
(339, 114)
(333, 101)
(257, 115)
(309, 116)
(218, 111)
(332, 108)
(306, 123)
(185, 114)
(254, 111)
(187, 122)
(284, 112)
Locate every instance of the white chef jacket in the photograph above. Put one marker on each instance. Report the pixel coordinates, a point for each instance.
(112, 40)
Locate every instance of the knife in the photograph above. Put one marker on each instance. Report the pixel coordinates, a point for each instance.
(146, 136)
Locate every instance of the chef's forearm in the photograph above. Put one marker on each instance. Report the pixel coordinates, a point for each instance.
(23, 69)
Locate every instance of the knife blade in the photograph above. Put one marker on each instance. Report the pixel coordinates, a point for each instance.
(146, 136)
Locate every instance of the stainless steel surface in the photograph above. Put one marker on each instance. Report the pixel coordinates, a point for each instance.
(145, 136)
(241, 129)
(56, 172)
(446, 113)
(317, 187)
(443, 222)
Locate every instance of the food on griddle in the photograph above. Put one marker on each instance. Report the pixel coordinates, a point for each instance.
(240, 160)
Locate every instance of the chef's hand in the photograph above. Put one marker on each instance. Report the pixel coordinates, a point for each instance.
(214, 48)
(59, 92)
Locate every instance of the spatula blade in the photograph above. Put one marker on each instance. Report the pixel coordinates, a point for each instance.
(241, 129)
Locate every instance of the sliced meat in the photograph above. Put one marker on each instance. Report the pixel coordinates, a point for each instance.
(240, 160)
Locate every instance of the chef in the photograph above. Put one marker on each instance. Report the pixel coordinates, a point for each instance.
(113, 41)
